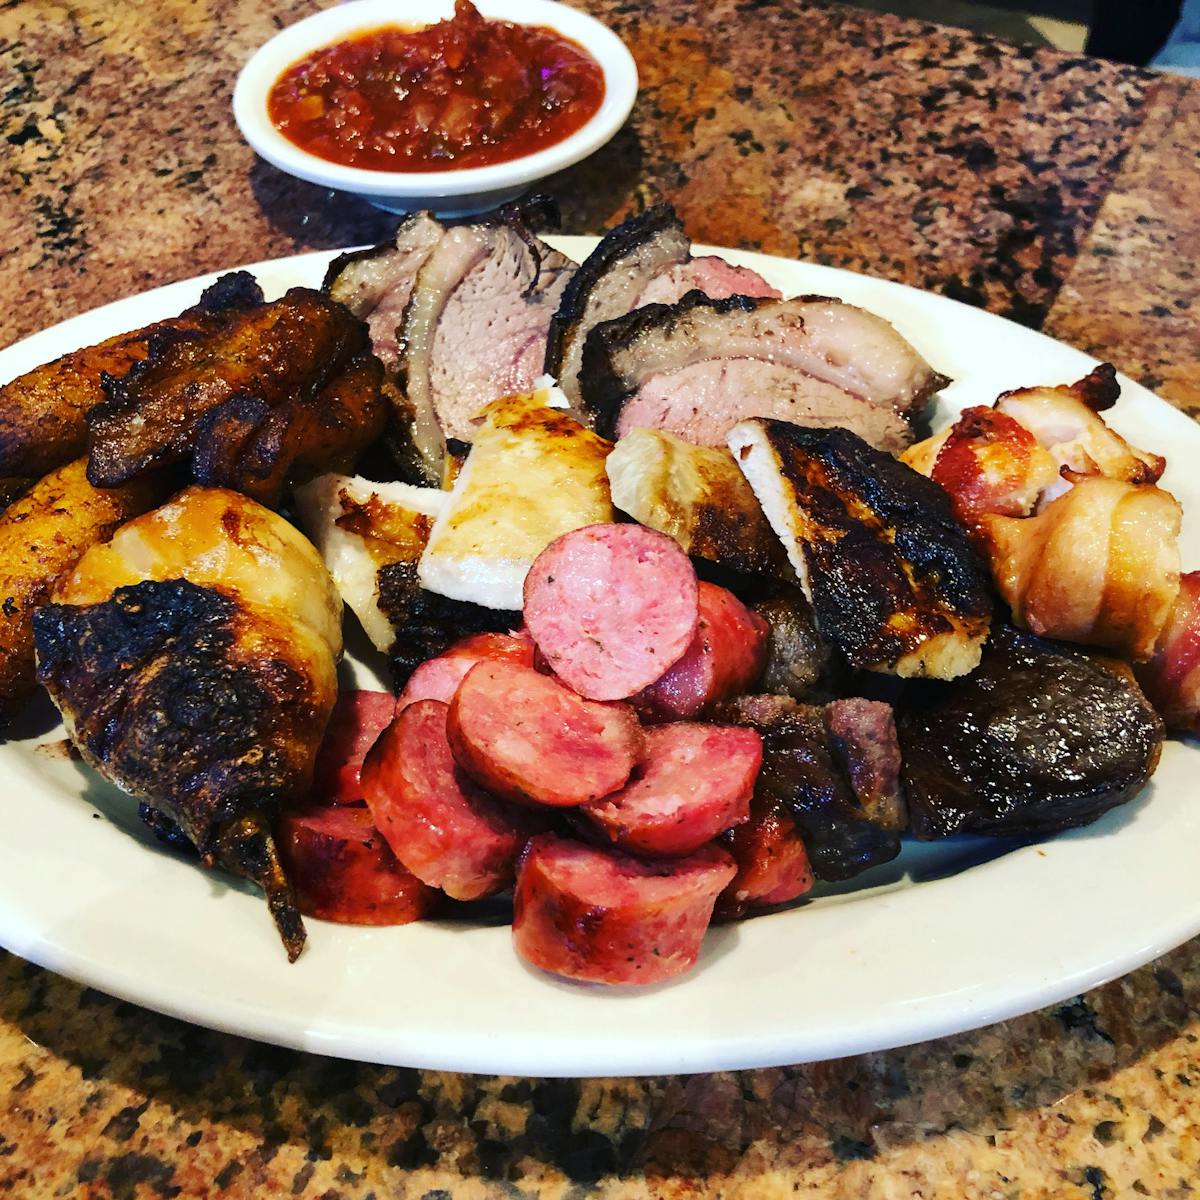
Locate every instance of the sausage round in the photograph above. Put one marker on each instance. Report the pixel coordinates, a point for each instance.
(772, 863)
(438, 679)
(524, 736)
(343, 870)
(445, 830)
(691, 783)
(604, 917)
(725, 659)
(358, 718)
(611, 607)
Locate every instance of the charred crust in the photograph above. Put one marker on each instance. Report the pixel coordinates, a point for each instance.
(615, 245)
(1099, 389)
(163, 703)
(339, 264)
(234, 290)
(426, 623)
(604, 387)
(164, 829)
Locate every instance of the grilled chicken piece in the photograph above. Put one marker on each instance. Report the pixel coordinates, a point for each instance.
(891, 576)
(699, 366)
(475, 326)
(1039, 738)
(696, 495)
(533, 473)
(194, 660)
(360, 527)
(42, 536)
(278, 394)
(42, 412)
(1172, 677)
(608, 284)
(802, 770)
(1099, 565)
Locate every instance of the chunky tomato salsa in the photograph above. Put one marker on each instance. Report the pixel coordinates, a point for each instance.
(465, 92)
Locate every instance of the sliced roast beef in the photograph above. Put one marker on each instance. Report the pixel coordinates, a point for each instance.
(608, 284)
(375, 284)
(708, 274)
(699, 366)
(475, 326)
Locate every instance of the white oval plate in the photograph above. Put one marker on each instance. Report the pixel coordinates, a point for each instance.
(952, 936)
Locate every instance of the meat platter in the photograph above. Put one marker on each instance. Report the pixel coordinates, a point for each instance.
(948, 936)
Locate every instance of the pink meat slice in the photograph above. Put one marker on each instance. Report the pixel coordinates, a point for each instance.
(603, 917)
(692, 783)
(772, 863)
(703, 401)
(611, 608)
(525, 736)
(438, 679)
(709, 274)
(725, 659)
(444, 829)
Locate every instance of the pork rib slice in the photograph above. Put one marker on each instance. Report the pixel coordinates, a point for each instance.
(608, 284)
(699, 366)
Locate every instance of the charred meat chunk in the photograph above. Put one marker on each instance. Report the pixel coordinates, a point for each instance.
(800, 772)
(799, 661)
(699, 366)
(278, 393)
(892, 576)
(1040, 737)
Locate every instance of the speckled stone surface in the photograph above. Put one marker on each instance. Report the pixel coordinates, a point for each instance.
(1055, 190)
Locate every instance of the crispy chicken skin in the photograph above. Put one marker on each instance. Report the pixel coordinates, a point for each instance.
(42, 536)
(42, 412)
(193, 658)
(279, 394)
(893, 580)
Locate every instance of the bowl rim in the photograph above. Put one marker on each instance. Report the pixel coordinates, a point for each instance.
(331, 25)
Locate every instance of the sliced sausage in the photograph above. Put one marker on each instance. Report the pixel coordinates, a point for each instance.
(772, 864)
(443, 828)
(524, 736)
(438, 679)
(343, 870)
(604, 917)
(358, 718)
(611, 607)
(691, 783)
(725, 659)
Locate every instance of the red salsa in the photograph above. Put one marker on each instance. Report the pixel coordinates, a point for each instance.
(462, 93)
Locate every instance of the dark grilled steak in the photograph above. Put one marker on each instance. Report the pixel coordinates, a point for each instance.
(608, 284)
(426, 623)
(862, 734)
(799, 660)
(799, 771)
(894, 582)
(375, 284)
(699, 366)
(475, 327)
(1040, 737)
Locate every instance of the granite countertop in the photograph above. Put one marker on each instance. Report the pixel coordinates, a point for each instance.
(1059, 191)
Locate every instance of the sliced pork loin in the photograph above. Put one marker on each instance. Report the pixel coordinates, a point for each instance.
(709, 274)
(608, 284)
(475, 326)
(699, 366)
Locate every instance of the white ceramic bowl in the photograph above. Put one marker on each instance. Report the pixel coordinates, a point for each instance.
(449, 193)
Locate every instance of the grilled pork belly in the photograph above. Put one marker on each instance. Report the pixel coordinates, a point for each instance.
(1039, 738)
(608, 284)
(699, 366)
(193, 658)
(696, 495)
(360, 527)
(42, 412)
(475, 327)
(892, 578)
(533, 473)
(279, 393)
(1099, 565)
